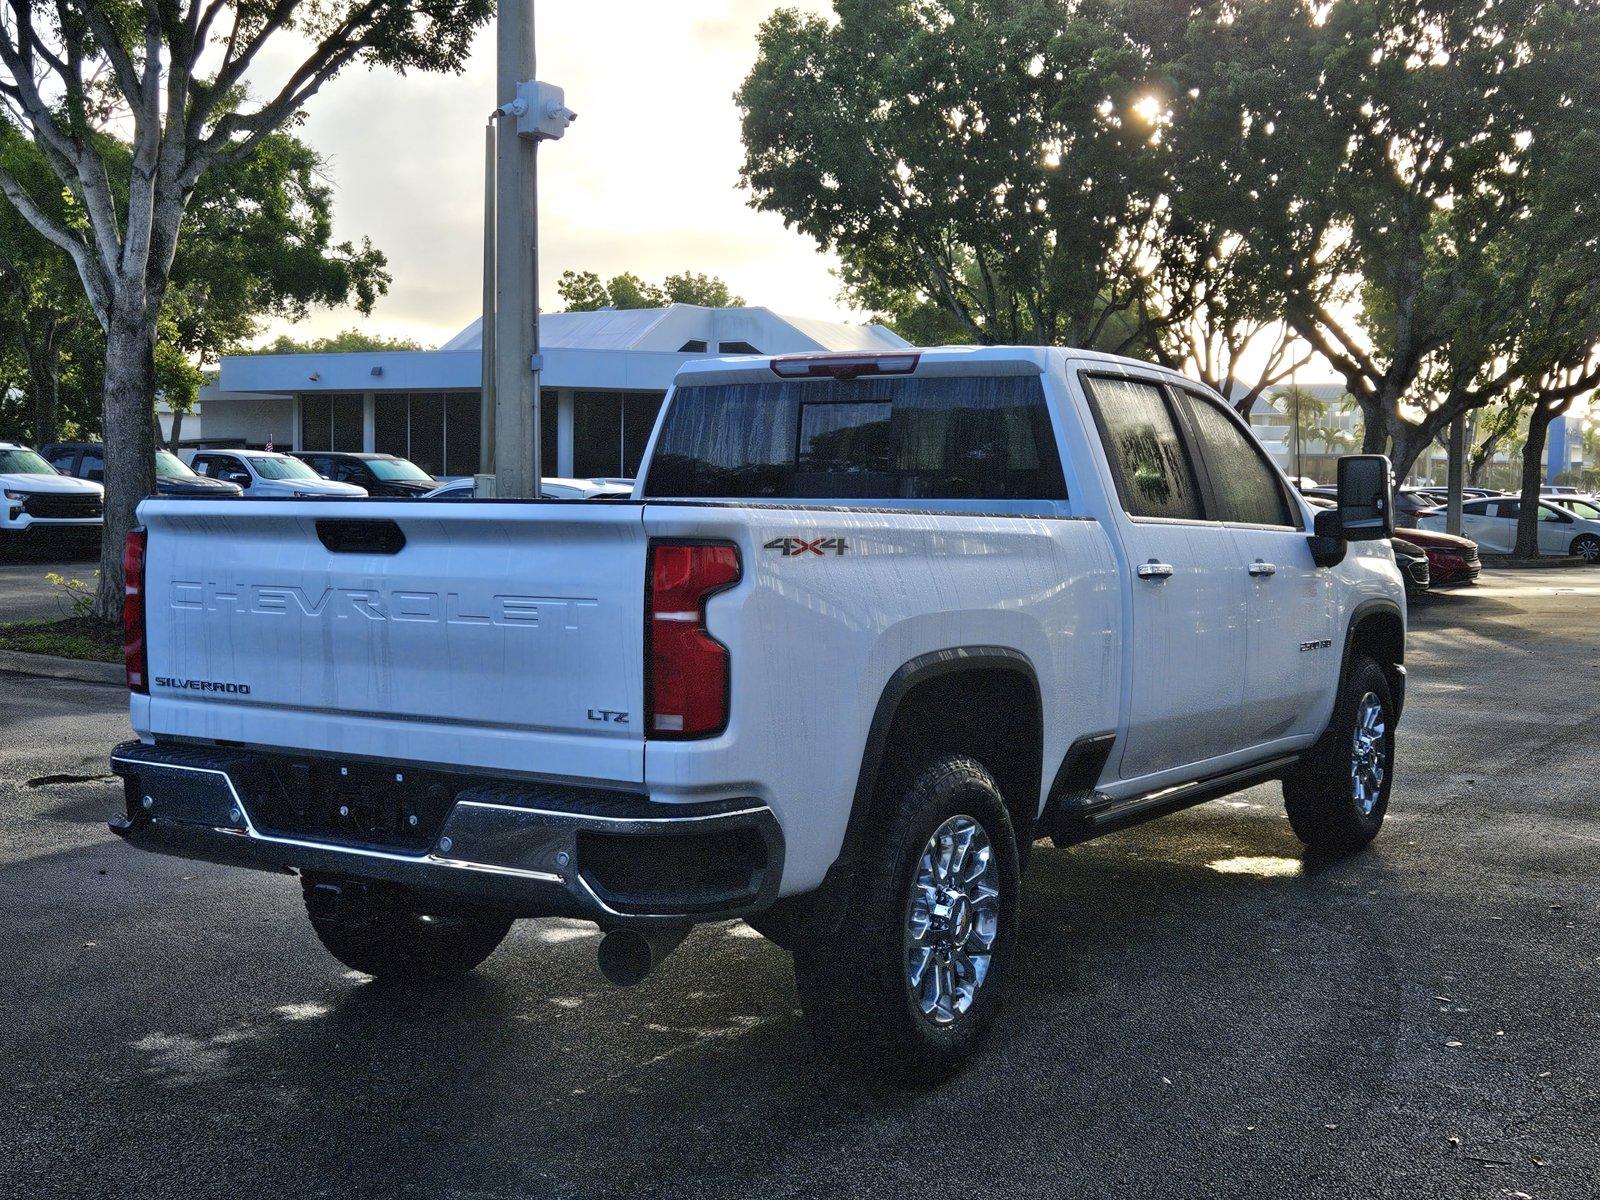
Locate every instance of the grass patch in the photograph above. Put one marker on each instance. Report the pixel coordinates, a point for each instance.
(72, 637)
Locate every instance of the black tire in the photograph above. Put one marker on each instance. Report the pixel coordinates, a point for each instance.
(1329, 812)
(855, 985)
(383, 930)
(1587, 548)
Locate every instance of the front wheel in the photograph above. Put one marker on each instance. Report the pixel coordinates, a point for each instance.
(1587, 548)
(392, 934)
(909, 984)
(1337, 797)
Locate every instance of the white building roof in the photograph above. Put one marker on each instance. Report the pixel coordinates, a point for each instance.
(669, 329)
(611, 349)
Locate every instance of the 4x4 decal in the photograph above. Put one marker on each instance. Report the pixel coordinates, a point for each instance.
(792, 547)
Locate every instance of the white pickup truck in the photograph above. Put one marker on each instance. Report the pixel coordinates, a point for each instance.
(868, 627)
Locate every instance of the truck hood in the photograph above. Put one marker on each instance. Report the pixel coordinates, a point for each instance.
(307, 487)
(51, 485)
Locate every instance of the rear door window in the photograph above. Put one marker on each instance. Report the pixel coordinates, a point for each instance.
(1155, 477)
(933, 438)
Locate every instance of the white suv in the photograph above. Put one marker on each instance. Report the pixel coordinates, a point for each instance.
(268, 473)
(35, 498)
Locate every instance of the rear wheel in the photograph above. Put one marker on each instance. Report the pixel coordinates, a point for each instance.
(1587, 548)
(909, 984)
(1337, 797)
(389, 932)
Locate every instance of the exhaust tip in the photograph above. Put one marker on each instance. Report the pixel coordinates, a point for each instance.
(625, 957)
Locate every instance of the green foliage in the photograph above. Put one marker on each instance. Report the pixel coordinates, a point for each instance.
(972, 156)
(76, 596)
(584, 291)
(347, 342)
(257, 244)
(1409, 186)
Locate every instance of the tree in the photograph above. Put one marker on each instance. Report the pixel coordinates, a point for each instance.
(994, 173)
(583, 291)
(44, 319)
(350, 341)
(72, 69)
(972, 156)
(1389, 158)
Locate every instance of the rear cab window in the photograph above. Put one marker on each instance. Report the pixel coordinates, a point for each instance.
(934, 437)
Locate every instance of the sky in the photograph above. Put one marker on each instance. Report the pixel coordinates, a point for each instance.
(646, 180)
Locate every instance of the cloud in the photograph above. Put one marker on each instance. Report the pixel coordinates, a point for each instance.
(646, 180)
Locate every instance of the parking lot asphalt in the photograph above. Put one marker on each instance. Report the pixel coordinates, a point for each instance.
(1200, 1011)
(25, 593)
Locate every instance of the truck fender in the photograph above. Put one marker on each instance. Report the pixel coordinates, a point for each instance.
(819, 912)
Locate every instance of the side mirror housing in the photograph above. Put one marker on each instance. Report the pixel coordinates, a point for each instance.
(1365, 512)
(1366, 497)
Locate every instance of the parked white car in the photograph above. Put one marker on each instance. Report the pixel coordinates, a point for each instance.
(268, 473)
(1587, 507)
(36, 499)
(1492, 523)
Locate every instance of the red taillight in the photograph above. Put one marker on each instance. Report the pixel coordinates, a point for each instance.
(688, 667)
(133, 612)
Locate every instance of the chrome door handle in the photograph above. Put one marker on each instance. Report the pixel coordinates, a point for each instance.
(1259, 568)
(1155, 570)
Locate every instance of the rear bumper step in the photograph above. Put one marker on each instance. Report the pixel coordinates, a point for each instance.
(534, 848)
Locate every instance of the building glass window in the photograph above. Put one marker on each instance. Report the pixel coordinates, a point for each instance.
(316, 422)
(638, 419)
(331, 421)
(549, 423)
(596, 433)
(427, 431)
(347, 423)
(462, 433)
(389, 421)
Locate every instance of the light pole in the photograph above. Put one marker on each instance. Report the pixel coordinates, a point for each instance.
(511, 318)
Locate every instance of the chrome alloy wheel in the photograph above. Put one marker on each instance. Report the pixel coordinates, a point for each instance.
(952, 920)
(1367, 753)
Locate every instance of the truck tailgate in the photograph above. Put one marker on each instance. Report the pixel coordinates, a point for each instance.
(507, 636)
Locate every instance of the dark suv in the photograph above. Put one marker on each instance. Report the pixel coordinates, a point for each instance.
(87, 460)
(380, 474)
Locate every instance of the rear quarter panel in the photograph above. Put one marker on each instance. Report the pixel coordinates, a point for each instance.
(814, 640)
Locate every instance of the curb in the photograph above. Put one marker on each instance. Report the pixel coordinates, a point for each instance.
(1504, 562)
(48, 666)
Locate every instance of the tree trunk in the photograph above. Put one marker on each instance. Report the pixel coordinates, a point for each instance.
(46, 398)
(1532, 469)
(1407, 446)
(1480, 457)
(177, 430)
(129, 437)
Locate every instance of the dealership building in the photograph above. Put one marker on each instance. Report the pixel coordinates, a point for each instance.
(605, 374)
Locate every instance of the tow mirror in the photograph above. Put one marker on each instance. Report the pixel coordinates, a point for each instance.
(1366, 497)
(1365, 511)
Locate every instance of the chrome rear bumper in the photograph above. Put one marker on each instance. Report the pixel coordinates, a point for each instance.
(533, 848)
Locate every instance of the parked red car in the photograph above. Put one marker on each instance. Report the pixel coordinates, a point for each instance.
(1451, 559)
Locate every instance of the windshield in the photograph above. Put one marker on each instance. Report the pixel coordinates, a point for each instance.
(23, 462)
(1582, 507)
(281, 466)
(397, 468)
(170, 466)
